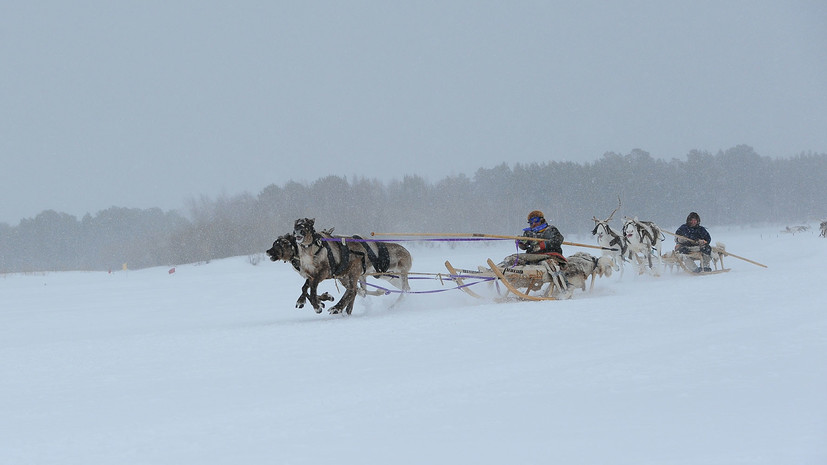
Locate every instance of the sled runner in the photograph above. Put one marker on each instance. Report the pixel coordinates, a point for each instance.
(532, 278)
(677, 259)
(458, 278)
(698, 271)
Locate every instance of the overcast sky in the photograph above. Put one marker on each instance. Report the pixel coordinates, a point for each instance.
(150, 103)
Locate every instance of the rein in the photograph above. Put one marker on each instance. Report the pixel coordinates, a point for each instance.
(434, 291)
(444, 239)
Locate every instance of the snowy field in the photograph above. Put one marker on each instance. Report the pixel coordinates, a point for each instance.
(213, 365)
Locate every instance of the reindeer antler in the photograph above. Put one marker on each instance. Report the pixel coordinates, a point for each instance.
(615, 210)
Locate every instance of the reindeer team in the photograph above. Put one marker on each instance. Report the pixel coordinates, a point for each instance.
(320, 255)
(636, 242)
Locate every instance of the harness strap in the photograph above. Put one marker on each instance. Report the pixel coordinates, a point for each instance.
(380, 263)
(616, 239)
(295, 261)
(646, 232)
(344, 255)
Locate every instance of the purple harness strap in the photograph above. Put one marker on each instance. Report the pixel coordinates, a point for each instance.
(397, 291)
(446, 239)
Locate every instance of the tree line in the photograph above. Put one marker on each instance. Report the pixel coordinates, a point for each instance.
(736, 186)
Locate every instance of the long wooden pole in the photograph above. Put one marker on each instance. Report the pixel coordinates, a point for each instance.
(717, 249)
(492, 236)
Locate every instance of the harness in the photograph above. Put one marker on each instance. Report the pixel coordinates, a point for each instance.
(616, 239)
(344, 254)
(295, 260)
(645, 232)
(380, 263)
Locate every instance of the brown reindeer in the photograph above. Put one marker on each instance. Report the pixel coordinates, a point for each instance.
(386, 260)
(285, 249)
(320, 260)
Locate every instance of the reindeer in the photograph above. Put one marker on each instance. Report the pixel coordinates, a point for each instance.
(578, 269)
(642, 237)
(608, 238)
(285, 249)
(389, 261)
(320, 260)
(823, 229)
(795, 229)
(718, 253)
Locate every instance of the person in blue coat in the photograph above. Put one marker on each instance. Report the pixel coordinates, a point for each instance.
(692, 237)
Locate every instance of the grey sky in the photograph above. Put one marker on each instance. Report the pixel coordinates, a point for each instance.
(150, 103)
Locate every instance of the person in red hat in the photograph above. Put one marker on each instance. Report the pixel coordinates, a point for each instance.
(539, 228)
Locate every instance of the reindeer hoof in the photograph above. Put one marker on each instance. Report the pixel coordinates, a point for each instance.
(318, 309)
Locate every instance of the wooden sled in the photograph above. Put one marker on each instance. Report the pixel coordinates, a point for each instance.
(520, 281)
(540, 281)
(674, 258)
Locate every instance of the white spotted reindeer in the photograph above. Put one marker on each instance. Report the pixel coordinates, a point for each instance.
(643, 240)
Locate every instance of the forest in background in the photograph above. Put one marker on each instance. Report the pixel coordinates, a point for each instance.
(736, 186)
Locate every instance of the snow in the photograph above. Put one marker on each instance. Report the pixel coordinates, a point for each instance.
(212, 364)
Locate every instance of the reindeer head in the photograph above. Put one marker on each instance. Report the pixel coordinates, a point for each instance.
(629, 227)
(605, 222)
(596, 224)
(303, 231)
(284, 248)
(604, 266)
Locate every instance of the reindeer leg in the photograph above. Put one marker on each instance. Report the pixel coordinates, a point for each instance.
(314, 298)
(353, 287)
(658, 260)
(363, 286)
(346, 302)
(403, 276)
(405, 286)
(622, 265)
(641, 266)
(350, 303)
(336, 309)
(303, 297)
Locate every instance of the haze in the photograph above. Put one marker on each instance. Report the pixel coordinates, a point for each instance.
(148, 104)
